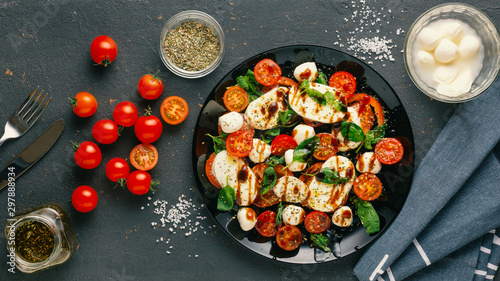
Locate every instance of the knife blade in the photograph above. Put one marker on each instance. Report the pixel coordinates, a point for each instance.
(31, 154)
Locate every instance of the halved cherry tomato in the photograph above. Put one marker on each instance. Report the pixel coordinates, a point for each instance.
(84, 198)
(311, 123)
(281, 144)
(87, 155)
(116, 169)
(125, 114)
(289, 237)
(317, 222)
(150, 86)
(367, 186)
(240, 143)
(379, 112)
(174, 110)
(208, 170)
(267, 72)
(327, 146)
(389, 151)
(343, 81)
(105, 131)
(84, 104)
(285, 81)
(266, 224)
(313, 170)
(148, 128)
(236, 99)
(103, 50)
(144, 157)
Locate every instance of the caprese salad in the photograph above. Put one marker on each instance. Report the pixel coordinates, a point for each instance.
(298, 156)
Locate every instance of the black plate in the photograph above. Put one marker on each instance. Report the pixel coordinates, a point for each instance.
(396, 178)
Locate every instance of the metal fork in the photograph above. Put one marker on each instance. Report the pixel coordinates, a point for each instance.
(25, 115)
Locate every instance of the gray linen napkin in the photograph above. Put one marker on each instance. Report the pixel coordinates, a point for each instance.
(454, 200)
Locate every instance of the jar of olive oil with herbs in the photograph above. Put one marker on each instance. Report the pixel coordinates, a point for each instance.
(40, 238)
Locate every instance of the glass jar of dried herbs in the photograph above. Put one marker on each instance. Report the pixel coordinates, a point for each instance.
(40, 238)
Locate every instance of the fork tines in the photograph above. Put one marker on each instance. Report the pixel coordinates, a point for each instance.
(32, 108)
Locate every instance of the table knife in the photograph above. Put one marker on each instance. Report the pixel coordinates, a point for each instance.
(31, 154)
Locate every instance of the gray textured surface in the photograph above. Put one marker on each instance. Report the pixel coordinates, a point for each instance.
(47, 43)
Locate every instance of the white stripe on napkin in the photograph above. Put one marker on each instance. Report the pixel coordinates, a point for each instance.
(480, 272)
(380, 278)
(421, 251)
(492, 266)
(496, 240)
(389, 273)
(489, 277)
(485, 250)
(378, 269)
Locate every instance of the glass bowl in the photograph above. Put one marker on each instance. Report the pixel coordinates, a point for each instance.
(206, 20)
(484, 28)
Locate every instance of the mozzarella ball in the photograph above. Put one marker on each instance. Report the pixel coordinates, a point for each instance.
(293, 166)
(247, 218)
(231, 122)
(425, 58)
(429, 38)
(260, 151)
(307, 70)
(293, 215)
(469, 46)
(342, 217)
(445, 74)
(368, 163)
(452, 31)
(446, 51)
(459, 86)
(302, 132)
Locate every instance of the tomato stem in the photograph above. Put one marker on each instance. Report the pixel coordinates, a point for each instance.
(73, 101)
(153, 183)
(148, 111)
(155, 76)
(75, 145)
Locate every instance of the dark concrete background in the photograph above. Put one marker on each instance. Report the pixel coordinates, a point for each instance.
(46, 43)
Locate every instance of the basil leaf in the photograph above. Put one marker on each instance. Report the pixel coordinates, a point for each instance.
(368, 216)
(219, 143)
(374, 136)
(330, 98)
(279, 213)
(329, 175)
(269, 180)
(285, 116)
(269, 135)
(321, 241)
(352, 131)
(304, 85)
(243, 81)
(275, 160)
(321, 79)
(226, 199)
(305, 149)
(250, 84)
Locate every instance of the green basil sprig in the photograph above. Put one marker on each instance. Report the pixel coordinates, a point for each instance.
(329, 175)
(250, 84)
(304, 151)
(368, 216)
(219, 143)
(269, 180)
(321, 79)
(270, 134)
(286, 116)
(352, 131)
(279, 213)
(374, 136)
(226, 199)
(321, 241)
(275, 160)
(320, 98)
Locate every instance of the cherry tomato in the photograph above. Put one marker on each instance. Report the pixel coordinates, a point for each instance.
(364, 99)
(105, 131)
(125, 114)
(240, 143)
(367, 186)
(313, 170)
(148, 128)
(289, 237)
(327, 146)
(139, 182)
(343, 81)
(84, 104)
(88, 155)
(174, 110)
(116, 169)
(281, 144)
(389, 151)
(208, 170)
(317, 222)
(103, 50)
(266, 224)
(144, 157)
(236, 99)
(84, 198)
(267, 72)
(150, 86)
(312, 123)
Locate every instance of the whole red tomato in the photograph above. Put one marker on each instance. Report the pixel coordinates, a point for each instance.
(84, 198)
(103, 50)
(125, 114)
(105, 131)
(150, 86)
(117, 169)
(139, 182)
(87, 155)
(84, 104)
(148, 128)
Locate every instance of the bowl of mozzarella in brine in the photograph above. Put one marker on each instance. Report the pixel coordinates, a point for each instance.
(452, 52)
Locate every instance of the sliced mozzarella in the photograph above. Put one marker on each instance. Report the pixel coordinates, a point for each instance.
(293, 215)
(231, 122)
(342, 217)
(262, 113)
(353, 116)
(234, 171)
(290, 189)
(247, 218)
(260, 151)
(293, 166)
(327, 197)
(368, 163)
(302, 132)
(308, 108)
(307, 70)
